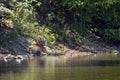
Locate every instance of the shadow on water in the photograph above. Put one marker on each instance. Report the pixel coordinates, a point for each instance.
(92, 63)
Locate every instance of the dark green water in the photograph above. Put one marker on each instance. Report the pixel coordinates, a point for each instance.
(59, 68)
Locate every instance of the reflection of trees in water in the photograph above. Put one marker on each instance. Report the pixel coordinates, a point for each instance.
(12, 66)
(88, 63)
(41, 68)
(50, 68)
(47, 68)
(106, 62)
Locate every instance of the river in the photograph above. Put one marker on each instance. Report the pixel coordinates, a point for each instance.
(98, 67)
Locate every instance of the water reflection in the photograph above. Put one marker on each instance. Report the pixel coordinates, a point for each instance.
(12, 66)
(60, 68)
(88, 63)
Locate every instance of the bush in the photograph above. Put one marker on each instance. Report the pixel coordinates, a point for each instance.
(112, 35)
(24, 21)
(81, 16)
(66, 20)
(6, 25)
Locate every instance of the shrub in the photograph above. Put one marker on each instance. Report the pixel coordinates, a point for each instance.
(6, 25)
(24, 21)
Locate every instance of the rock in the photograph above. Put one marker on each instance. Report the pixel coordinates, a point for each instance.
(115, 52)
(14, 58)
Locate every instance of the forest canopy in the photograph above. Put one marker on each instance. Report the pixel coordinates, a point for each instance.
(62, 20)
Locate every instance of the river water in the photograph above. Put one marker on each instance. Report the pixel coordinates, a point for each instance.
(100, 67)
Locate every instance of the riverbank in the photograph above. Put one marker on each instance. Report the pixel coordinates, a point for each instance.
(92, 45)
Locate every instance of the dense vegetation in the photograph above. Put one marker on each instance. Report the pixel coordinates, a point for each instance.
(62, 20)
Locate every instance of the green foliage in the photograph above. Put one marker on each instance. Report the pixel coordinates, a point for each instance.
(25, 21)
(6, 25)
(40, 32)
(66, 20)
(107, 22)
(112, 35)
(23, 15)
(81, 16)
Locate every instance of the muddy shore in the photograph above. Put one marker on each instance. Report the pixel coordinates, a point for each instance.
(91, 45)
